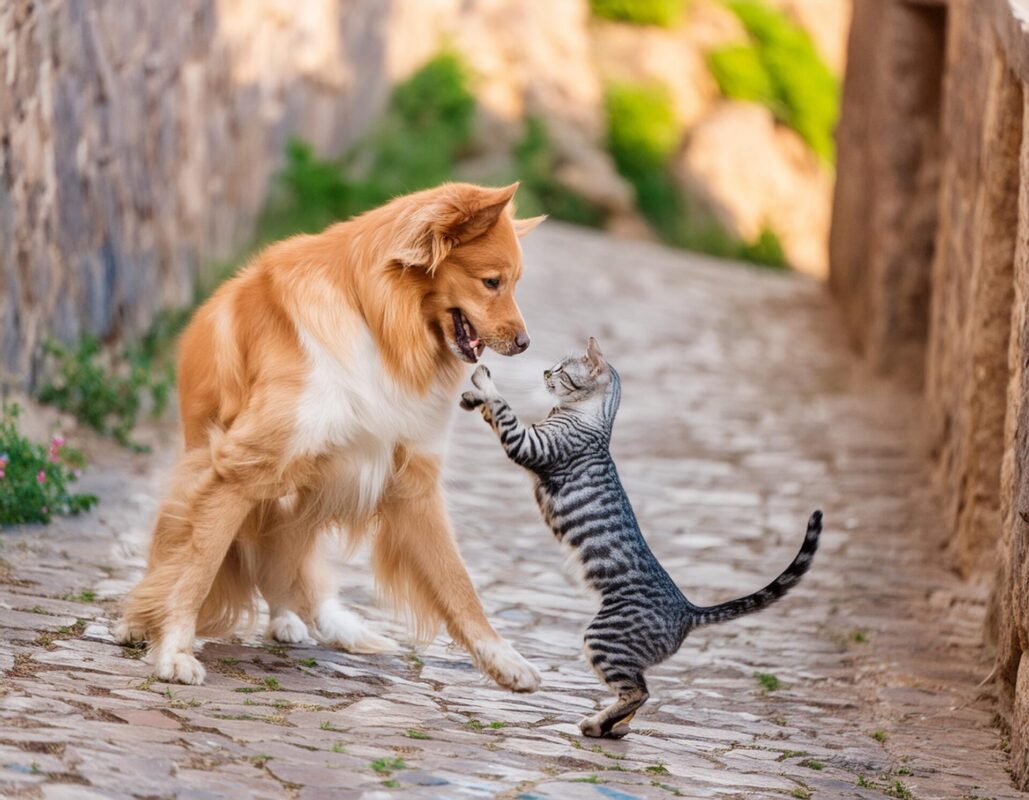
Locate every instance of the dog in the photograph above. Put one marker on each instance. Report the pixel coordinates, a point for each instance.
(315, 391)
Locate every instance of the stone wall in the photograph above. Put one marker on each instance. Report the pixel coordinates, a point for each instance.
(137, 142)
(930, 265)
(137, 139)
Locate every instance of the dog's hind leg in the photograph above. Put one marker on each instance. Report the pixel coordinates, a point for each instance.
(295, 578)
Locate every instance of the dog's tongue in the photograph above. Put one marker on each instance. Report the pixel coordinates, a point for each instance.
(473, 337)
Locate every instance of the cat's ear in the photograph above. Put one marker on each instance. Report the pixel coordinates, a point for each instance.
(595, 357)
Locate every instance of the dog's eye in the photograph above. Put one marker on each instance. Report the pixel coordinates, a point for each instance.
(491, 283)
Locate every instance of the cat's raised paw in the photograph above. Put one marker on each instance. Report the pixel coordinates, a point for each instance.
(471, 400)
(482, 379)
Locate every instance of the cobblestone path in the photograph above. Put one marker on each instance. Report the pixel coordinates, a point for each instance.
(743, 410)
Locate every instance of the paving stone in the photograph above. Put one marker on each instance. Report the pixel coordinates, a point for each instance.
(743, 409)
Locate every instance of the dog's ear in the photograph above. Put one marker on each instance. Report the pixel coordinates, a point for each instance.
(453, 215)
(595, 357)
(523, 226)
(476, 209)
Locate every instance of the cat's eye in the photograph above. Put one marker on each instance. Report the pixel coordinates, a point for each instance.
(491, 283)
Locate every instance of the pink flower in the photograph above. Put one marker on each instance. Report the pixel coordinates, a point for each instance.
(57, 442)
(41, 477)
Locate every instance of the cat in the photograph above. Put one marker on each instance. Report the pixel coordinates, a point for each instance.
(643, 617)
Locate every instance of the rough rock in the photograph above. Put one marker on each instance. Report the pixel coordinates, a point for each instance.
(750, 173)
(950, 291)
(527, 59)
(674, 58)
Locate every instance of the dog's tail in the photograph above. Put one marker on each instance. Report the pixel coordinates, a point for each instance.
(723, 612)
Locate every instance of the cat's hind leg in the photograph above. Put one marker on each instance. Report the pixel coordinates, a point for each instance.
(613, 721)
(617, 667)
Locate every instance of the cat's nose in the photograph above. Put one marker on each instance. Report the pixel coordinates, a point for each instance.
(522, 341)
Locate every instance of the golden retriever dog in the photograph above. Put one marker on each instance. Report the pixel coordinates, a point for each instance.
(316, 389)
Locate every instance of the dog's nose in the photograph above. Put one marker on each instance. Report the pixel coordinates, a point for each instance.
(546, 374)
(522, 341)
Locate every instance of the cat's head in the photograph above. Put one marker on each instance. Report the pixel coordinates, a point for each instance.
(577, 379)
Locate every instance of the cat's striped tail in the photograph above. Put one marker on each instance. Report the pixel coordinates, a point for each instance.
(723, 612)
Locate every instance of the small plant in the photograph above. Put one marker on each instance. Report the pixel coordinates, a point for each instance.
(385, 766)
(859, 637)
(899, 790)
(85, 596)
(34, 478)
(496, 725)
(309, 662)
(802, 793)
(656, 769)
(880, 736)
(587, 779)
(665, 13)
(108, 393)
(416, 734)
(810, 763)
(391, 783)
(272, 684)
(768, 681)
(338, 747)
(474, 725)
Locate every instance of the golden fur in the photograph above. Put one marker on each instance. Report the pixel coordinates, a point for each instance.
(314, 389)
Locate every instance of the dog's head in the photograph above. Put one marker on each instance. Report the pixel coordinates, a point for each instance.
(461, 242)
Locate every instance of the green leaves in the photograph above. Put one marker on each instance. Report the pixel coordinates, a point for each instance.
(665, 13)
(34, 477)
(781, 69)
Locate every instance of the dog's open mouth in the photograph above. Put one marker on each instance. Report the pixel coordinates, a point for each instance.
(466, 337)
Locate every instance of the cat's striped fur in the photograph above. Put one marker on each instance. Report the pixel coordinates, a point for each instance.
(643, 617)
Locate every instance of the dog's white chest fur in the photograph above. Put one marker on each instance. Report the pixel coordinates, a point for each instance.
(356, 412)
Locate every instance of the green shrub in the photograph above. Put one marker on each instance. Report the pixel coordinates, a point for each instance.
(665, 13)
(642, 131)
(34, 478)
(107, 397)
(541, 192)
(643, 137)
(782, 69)
(427, 126)
(766, 249)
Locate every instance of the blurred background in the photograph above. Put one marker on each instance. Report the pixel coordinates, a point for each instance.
(147, 149)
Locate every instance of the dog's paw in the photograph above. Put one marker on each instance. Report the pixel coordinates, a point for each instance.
(471, 401)
(180, 668)
(287, 627)
(482, 380)
(336, 626)
(502, 663)
(125, 632)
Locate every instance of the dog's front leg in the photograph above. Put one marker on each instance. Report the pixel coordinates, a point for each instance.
(417, 561)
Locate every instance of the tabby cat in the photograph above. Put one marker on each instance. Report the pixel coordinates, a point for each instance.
(643, 617)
